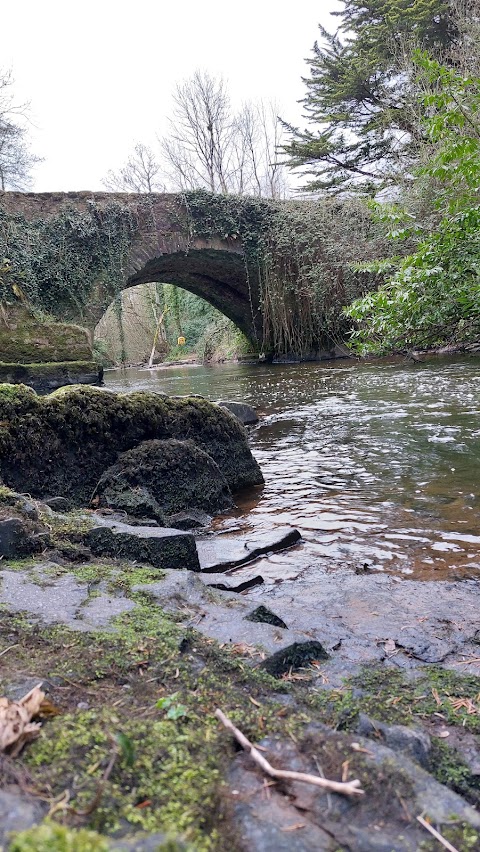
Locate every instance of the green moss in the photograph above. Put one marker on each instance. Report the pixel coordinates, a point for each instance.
(451, 770)
(461, 835)
(386, 694)
(50, 837)
(178, 763)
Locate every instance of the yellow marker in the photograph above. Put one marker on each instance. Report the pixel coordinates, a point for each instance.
(181, 341)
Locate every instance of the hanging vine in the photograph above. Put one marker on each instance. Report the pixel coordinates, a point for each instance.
(56, 261)
(299, 258)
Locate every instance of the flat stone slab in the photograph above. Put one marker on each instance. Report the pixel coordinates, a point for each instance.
(53, 599)
(358, 619)
(37, 592)
(219, 553)
(161, 547)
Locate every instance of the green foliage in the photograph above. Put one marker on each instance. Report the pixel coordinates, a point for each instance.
(357, 97)
(174, 709)
(434, 296)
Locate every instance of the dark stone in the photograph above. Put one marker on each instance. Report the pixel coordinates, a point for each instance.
(266, 616)
(243, 412)
(412, 742)
(17, 538)
(191, 520)
(160, 547)
(240, 587)
(58, 504)
(294, 657)
(164, 476)
(44, 378)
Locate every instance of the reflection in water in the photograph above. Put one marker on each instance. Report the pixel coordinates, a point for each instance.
(374, 463)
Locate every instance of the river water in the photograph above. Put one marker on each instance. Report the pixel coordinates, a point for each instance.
(375, 463)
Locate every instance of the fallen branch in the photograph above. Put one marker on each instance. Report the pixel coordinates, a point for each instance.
(436, 834)
(348, 788)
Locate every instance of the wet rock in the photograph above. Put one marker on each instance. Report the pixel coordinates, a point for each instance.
(412, 742)
(18, 811)
(295, 656)
(160, 547)
(218, 554)
(218, 613)
(266, 616)
(243, 412)
(166, 476)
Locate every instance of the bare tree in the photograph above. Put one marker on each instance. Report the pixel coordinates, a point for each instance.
(212, 147)
(141, 173)
(16, 158)
(198, 149)
(258, 138)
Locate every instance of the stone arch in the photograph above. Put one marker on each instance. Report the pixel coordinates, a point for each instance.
(212, 270)
(163, 251)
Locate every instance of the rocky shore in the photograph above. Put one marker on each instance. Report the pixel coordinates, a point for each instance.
(110, 596)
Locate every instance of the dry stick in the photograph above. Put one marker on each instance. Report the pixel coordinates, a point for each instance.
(348, 788)
(9, 649)
(436, 834)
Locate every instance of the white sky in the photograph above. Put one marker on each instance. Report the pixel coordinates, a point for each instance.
(99, 75)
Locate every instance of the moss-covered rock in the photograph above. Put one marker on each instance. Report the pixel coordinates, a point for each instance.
(178, 475)
(61, 444)
(45, 377)
(27, 338)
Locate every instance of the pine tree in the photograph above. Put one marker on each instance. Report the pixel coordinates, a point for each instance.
(358, 96)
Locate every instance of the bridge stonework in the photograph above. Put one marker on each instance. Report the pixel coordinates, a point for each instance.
(162, 250)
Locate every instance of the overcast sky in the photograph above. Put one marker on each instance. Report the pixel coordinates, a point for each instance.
(99, 74)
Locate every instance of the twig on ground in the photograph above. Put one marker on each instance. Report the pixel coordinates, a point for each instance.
(8, 649)
(436, 834)
(100, 789)
(348, 788)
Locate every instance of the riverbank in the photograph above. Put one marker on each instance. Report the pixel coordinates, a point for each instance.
(331, 664)
(135, 662)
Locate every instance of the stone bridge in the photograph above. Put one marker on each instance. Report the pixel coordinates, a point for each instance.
(162, 250)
